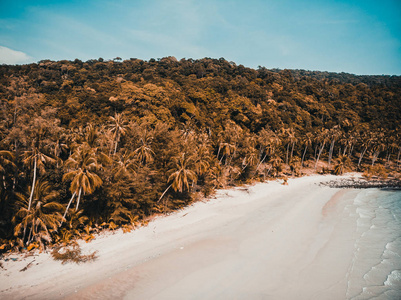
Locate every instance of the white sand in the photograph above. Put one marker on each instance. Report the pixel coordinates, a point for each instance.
(268, 242)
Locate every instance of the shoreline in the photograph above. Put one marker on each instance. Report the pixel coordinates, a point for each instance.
(241, 243)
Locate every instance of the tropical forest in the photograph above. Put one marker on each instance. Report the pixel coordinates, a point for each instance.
(106, 144)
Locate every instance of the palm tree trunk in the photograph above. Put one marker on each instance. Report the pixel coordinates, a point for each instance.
(318, 156)
(32, 190)
(286, 156)
(375, 156)
(68, 206)
(79, 198)
(218, 151)
(268, 171)
(28, 241)
(116, 142)
(361, 156)
(388, 157)
(331, 151)
(260, 162)
(292, 150)
(303, 156)
(33, 183)
(351, 149)
(232, 156)
(314, 156)
(115, 146)
(164, 192)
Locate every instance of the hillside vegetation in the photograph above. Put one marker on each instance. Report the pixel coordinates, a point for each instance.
(106, 144)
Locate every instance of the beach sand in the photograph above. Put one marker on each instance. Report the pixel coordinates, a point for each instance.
(266, 241)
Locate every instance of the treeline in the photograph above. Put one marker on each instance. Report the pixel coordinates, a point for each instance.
(103, 144)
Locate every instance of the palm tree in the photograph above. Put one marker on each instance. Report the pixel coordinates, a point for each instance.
(294, 164)
(340, 164)
(292, 140)
(334, 133)
(92, 137)
(366, 141)
(125, 165)
(44, 215)
(81, 167)
(181, 175)
(118, 127)
(228, 141)
(144, 152)
(277, 164)
(36, 157)
(7, 186)
(6, 160)
(307, 141)
(269, 142)
(322, 138)
(250, 158)
(288, 136)
(227, 149)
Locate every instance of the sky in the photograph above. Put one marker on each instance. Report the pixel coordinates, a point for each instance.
(361, 37)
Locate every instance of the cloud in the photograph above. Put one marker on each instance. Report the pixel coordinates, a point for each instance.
(12, 57)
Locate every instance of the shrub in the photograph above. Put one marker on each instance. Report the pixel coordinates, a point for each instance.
(73, 254)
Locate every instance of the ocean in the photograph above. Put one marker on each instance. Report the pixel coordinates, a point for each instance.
(375, 270)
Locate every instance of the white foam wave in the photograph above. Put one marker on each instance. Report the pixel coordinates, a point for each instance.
(376, 266)
(394, 280)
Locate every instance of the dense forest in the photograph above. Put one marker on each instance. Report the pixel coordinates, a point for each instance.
(100, 144)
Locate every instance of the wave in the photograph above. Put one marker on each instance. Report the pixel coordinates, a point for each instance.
(375, 272)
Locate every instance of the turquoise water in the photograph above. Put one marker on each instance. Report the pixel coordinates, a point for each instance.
(375, 271)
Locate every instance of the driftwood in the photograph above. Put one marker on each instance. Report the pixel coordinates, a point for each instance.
(361, 183)
(27, 266)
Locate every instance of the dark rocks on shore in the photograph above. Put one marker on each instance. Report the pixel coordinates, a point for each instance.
(361, 183)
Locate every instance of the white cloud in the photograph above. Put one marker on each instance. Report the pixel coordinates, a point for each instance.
(11, 57)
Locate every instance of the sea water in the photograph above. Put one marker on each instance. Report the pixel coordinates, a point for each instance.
(375, 269)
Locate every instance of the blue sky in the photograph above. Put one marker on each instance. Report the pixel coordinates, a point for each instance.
(359, 37)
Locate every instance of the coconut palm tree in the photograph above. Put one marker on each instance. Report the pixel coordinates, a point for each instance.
(118, 127)
(81, 170)
(44, 215)
(269, 141)
(181, 175)
(38, 159)
(307, 141)
(277, 165)
(227, 149)
(92, 138)
(6, 161)
(125, 165)
(288, 136)
(6, 158)
(321, 138)
(341, 163)
(333, 134)
(7, 187)
(144, 152)
(366, 139)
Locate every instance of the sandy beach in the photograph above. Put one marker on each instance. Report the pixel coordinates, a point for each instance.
(266, 241)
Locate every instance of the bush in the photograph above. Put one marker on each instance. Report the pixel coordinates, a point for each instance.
(376, 171)
(72, 255)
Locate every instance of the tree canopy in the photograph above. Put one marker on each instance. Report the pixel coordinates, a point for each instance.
(115, 136)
